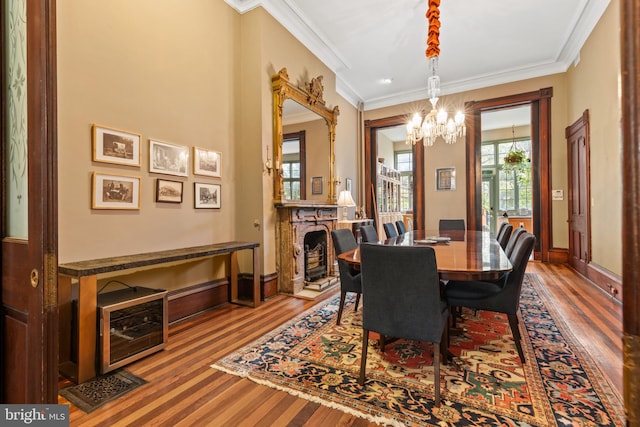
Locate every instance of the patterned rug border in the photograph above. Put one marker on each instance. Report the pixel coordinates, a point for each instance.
(612, 400)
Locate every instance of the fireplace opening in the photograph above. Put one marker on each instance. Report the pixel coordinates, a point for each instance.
(315, 255)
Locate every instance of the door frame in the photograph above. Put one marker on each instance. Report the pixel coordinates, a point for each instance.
(370, 160)
(540, 102)
(39, 312)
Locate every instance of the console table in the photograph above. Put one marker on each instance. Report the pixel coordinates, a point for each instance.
(86, 272)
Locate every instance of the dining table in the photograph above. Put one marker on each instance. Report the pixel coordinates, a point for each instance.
(460, 255)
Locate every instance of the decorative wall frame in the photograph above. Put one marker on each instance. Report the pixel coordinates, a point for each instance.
(115, 146)
(317, 184)
(169, 159)
(115, 191)
(207, 196)
(445, 179)
(206, 162)
(169, 191)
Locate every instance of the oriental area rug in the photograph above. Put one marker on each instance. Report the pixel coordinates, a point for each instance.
(484, 384)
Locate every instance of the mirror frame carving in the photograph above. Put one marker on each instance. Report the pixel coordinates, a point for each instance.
(309, 97)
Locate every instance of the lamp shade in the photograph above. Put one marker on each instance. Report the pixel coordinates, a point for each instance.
(345, 199)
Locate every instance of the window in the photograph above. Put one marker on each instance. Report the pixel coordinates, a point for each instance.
(404, 165)
(513, 190)
(291, 174)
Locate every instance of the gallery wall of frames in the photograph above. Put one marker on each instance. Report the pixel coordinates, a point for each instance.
(174, 162)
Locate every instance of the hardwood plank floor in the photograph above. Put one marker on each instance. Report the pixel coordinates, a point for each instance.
(184, 391)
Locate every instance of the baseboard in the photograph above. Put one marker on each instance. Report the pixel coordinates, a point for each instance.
(191, 300)
(608, 281)
(558, 256)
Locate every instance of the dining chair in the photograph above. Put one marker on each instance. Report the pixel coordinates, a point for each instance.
(502, 297)
(390, 230)
(402, 299)
(503, 234)
(400, 226)
(513, 239)
(350, 279)
(369, 233)
(451, 224)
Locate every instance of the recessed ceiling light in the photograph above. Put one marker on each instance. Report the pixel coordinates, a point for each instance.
(386, 81)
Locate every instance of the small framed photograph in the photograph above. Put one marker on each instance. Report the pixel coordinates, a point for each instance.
(316, 185)
(206, 162)
(347, 186)
(115, 146)
(168, 191)
(168, 158)
(206, 196)
(115, 192)
(445, 179)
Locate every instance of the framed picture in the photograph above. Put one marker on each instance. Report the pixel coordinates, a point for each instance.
(206, 196)
(316, 185)
(168, 191)
(115, 192)
(347, 186)
(206, 162)
(115, 146)
(446, 179)
(168, 158)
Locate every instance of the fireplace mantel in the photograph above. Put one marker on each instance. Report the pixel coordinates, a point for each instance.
(296, 219)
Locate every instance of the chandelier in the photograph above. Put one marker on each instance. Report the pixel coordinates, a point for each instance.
(436, 123)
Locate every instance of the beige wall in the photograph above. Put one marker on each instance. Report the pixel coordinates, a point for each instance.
(594, 85)
(192, 76)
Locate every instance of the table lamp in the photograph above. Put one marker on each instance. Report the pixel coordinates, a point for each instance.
(346, 201)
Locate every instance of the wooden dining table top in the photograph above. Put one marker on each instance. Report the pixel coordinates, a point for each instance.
(469, 255)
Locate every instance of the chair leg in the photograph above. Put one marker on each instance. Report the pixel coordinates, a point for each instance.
(363, 360)
(357, 301)
(343, 295)
(513, 323)
(436, 371)
(444, 349)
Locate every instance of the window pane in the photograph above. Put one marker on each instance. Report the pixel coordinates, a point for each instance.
(295, 170)
(286, 170)
(503, 149)
(506, 192)
(488, 155)
(295, 190)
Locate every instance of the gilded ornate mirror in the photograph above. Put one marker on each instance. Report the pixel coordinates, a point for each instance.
(303, 142)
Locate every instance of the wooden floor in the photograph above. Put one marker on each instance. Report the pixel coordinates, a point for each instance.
(183, 390)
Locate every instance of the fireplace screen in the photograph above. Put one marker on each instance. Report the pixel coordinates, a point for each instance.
(315, 255)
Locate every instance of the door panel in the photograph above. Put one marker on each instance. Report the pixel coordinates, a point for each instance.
(578, 156)
(29, 351)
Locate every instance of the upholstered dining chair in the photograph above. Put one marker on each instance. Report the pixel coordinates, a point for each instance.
(511, 244)
(503, 234)
(390, 230)
(501, 297)
(369, 233)
(451, 224)
(400, 226)
(350, 279)
(401, 289)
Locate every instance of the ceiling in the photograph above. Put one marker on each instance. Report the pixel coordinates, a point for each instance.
(482, 43)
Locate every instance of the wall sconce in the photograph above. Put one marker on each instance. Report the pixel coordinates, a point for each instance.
(346, 201)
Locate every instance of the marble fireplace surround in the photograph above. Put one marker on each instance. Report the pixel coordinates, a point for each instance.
(295, 219)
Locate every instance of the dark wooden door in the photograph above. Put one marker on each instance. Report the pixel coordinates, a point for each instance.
(579, 220)
(28, 323)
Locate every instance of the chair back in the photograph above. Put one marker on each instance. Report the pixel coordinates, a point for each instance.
(401, 228)
(344, 241)
(390, 230)
(515, 235)
(519, 260)
(369, 233)
(451, 224)
(503, 234)
(401, 292)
